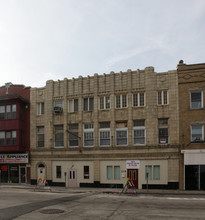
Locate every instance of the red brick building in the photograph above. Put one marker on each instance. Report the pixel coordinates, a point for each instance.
(14, 133)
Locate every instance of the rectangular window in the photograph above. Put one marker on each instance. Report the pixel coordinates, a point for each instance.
(88, 104)
(196, 99)
(121, 136)
(104, 102)
(88, 135)
(156, 172)
(2, 112)
(14, 137)
(163, 131)
(8, 112)
(73, 105)
(117, 172)
(197, 133)
(58, 172)
(8, 137)
(59, 136)
(73, 135)
(40, 136)
(86, 172)
(139, 132)
(138, 100)
(109, 172)
(2, 137)
(104, 134)
(41, 108)
(121, 101)
(148, 172)
(162, 97)
(14, 111)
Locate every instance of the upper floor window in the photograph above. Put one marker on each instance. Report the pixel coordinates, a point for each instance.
(88, 135)
(139, 132)
(73, 105)
(162, 97)
(40, 136)
(196, 98)
(41, 108)
(88, 104)
(105, 102)
(197, 133)
(59, 136)
(163, 131)
(7, 137)
(121, 136)
(121, 101)
(104, 133)
(73, 135)
(8, 112)
(138, 99)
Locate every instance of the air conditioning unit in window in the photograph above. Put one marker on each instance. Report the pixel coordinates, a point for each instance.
(57, 109)
(198, 140)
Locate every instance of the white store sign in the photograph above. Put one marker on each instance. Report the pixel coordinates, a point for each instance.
(132, 164)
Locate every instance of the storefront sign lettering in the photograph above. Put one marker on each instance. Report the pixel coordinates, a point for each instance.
(132, 164)
(13, 158)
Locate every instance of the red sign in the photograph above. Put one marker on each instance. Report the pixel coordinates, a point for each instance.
(4, 168)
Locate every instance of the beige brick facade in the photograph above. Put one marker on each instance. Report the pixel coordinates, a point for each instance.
(90, 93)
(191, 80)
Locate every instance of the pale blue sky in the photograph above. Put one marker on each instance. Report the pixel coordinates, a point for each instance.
(53, 39)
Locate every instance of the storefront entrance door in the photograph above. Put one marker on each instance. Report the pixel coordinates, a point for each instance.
(132, 174)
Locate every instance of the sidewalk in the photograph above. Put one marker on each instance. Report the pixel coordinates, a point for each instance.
(57, 189)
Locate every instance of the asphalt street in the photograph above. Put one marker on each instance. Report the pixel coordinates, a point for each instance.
(24, 204)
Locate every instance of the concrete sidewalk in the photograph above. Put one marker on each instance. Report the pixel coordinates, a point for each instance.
(57, 189)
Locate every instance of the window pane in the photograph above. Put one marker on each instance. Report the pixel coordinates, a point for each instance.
(104, 138)
(86, 172)
(148, 172)
(59, 104)
(196, 100)
(118, 101)
(88, 139)
(135, 99)
(141, 99)
(2, 137)
(58, 171)
(156, 172)
(58, 127)
(116, 172)
(139, 136)
(8, 137)
(71, 106)
(85, 104)
(107, 101)
(75, 105)
(124, 101)
(59, 140)
(73, 139)
(197, 132)
(40, 140)
(139, 123)
(163, 121)
(13, 137)
(165, 97)
(109, 172)
(105, 125)
(121, 137)
(159, 98)
(2, 112)
(101, 102)
(8, 112)
(91, 104)
(163, 135)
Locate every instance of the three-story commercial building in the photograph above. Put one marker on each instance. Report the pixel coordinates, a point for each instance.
(14, 133)
(99, 130)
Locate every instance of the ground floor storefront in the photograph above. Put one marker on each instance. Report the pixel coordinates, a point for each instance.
(145, 173)
(194, 169)
(14, 168)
